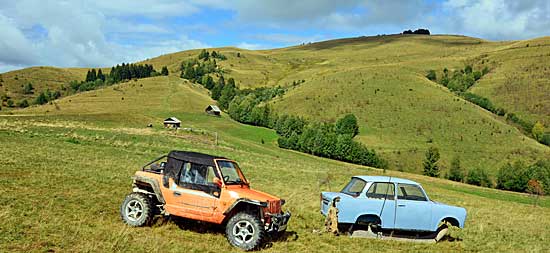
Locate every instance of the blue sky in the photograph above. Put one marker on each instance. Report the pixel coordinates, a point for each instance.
(82, 33)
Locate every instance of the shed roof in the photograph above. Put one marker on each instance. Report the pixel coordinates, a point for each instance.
(172, 120)
(213, 108)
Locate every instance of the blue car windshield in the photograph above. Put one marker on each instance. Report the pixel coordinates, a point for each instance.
(354, 187)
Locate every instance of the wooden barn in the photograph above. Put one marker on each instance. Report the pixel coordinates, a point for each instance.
(213, 110)
(172, 122)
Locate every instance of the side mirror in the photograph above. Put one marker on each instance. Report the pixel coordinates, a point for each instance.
(218, 181)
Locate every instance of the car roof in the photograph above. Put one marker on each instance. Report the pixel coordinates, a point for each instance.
(386, 179)
(194, 157)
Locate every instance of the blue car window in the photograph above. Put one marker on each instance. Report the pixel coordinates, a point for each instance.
(354, 187)
(381, 191)
(410, 192)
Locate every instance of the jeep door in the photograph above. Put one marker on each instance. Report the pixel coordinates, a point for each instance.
(195, 192)
(414, 210)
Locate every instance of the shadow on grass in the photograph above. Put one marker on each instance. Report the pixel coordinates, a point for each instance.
(286, 236)
(192, 225)
(205, 227)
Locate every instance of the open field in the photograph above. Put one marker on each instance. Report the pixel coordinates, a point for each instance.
(66, 168)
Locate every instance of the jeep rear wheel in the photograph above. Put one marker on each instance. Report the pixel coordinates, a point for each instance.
(245, 231)
(136, 210)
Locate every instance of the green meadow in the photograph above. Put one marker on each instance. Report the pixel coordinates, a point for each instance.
(67, 166)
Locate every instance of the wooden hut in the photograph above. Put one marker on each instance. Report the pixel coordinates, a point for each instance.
(172, 122)
(213, 110)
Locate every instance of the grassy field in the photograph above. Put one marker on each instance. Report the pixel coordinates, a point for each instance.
(381, 80)
(521, 81)
(66, 168)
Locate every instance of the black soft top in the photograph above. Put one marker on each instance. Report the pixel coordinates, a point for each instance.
(194, 157)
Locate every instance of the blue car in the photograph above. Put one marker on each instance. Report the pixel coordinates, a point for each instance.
(389, 203)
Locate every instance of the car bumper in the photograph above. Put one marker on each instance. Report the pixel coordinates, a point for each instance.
(279, 222)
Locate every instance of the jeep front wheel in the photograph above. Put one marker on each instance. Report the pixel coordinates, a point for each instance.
(245, 231)
(136, 210)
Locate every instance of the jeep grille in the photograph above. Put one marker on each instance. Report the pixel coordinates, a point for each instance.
(274, 206)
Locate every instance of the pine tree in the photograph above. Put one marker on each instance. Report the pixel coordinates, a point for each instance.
(88, 77)
(430, 162)
(164, 71)
(227, 94)
(93, 75)
(100, 75)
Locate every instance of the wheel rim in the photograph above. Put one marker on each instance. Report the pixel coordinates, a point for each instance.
(134, 210)
(243, 231)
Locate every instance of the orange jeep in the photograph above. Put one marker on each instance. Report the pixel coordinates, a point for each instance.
(205, 188)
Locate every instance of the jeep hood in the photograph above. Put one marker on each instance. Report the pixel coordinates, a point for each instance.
(239, 192)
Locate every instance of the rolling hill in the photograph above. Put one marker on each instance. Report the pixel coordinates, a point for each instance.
(381, 80)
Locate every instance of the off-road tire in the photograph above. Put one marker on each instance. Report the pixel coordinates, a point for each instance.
(253, 235)
(137, 210)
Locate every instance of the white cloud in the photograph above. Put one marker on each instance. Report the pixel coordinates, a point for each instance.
(152, 9)
(251, 46)
(287, 38)
(499, 19)
(75, 36)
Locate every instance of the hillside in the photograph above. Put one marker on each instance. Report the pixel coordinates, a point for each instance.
(521, 82)
(382, 81)
(66, 169)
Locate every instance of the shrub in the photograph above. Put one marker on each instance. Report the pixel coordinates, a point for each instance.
(28, 89)
(41, 99)
(478, 177)
(477, 75)
(23, 103)
(538, 131)
(512, 177)
(535, 188)
(546, 139)
(431, 75)
(468, 69)
(347, 125)
(456, 173)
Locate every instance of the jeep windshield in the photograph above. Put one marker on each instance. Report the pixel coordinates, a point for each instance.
(354, 187)
(231, 173)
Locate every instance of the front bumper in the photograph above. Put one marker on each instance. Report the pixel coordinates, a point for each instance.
(278, 222)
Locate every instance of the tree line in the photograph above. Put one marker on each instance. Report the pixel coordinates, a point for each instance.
(94, 80)
(533, 178)
(417, 31)
(459, 81)
(249, 106)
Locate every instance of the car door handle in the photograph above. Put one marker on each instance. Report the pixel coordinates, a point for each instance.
(401, 205)
(177, 194)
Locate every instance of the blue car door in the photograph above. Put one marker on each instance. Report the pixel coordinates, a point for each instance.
(413, 211)
(381, 201)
